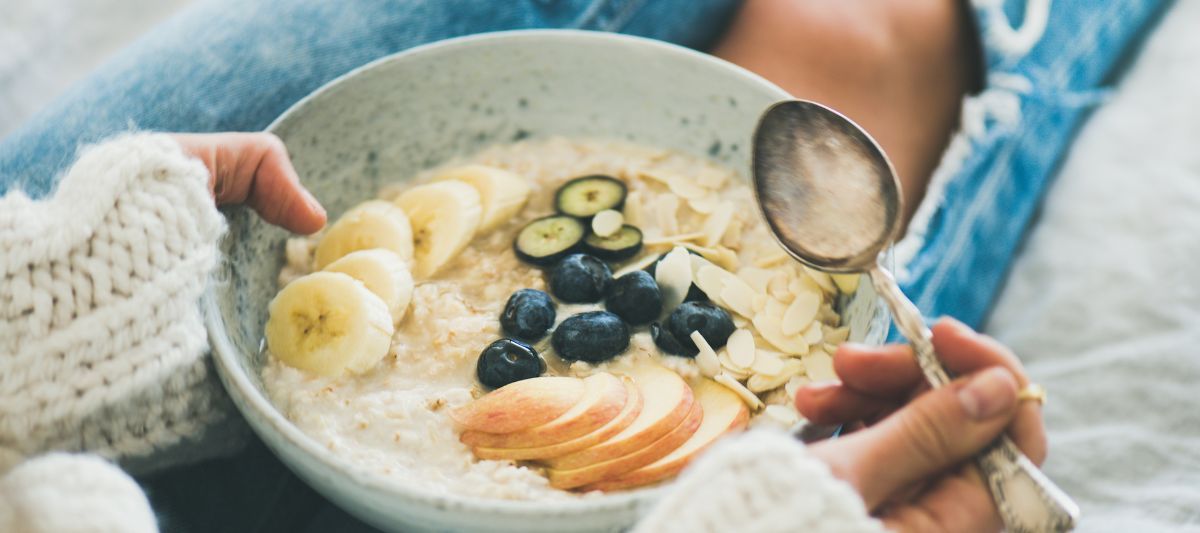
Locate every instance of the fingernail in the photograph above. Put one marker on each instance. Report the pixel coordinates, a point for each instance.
(989, 393)
(313, 203)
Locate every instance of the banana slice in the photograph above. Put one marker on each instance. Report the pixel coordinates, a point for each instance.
(327, 323)
(383, 273)
(501, 193)
(444, 216)
(372, 224)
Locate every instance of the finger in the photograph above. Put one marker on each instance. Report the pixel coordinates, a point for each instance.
(254, 168)
(963, 350)
(888, 371)
(959, 502)
(832, 403)
(936, 431)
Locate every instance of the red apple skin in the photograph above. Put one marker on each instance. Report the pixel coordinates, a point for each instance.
(520, 405)
(603, 399)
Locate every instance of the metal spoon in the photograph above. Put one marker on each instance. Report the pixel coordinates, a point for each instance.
(831, 198)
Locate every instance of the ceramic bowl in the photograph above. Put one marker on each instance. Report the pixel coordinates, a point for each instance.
(389, 119)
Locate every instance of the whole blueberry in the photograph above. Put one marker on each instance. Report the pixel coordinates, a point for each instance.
(713, 323)
(667, 342)
(580, 278)
(593, 336)
(528, 315)
(634, 297)
(506, 361)
(694, 293)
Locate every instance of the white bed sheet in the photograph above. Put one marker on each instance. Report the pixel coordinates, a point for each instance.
(1103, 304)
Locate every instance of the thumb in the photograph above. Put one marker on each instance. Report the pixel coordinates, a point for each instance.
(937, 431)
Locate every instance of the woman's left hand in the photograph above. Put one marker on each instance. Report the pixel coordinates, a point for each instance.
(254, 169)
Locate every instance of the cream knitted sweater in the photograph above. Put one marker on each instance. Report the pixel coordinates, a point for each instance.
(103, 351)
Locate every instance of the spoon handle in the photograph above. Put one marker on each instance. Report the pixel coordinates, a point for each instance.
(1027, 500)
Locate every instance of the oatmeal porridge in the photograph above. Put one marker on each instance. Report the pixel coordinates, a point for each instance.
(547, 315)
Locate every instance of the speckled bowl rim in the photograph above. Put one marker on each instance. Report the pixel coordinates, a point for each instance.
(251, 397)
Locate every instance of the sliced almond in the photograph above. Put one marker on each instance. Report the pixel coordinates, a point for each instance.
(685, 187)
(741, 348)
(607, 222)
(706, 204)
(782, 415)
(818, 365)
(823, 280)
(813, 334)
(757, 278)
(777, 287)
(731, 367)
(640, 264)
(733, 235)
(760, 302)
(775, 258)
(667, 213)
(740, 321)
(738, 296)
(716, 224)
(828, 315)
(767, 362)
(829, 348)
(633, 208)
(719, 255)
(711, 280)
(846, 283)
(835, 335)
(749, 397)
(655, 175)
(672, 240)
(800, 313)
(769, 327)
(764, 383)
(794, 383)
(803, 283)
(712, 178)
(706, 359)
(674, 277)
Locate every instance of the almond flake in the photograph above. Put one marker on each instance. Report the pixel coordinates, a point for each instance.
(741, 348)
(674, 277)
(769, 327)
(739, 389)
(828, 315)
(672, 239)
(706, 360)
(802, 283)
(800, 313)
(830, 348)
(633, 208)
(814, 333)
(738, 296)
(685, 187)
(739, 321)
(767, 363)
(757, 278)
(764, 383)
(298, 251)
(777, 287)
(706, 204)
(651, 175)
(731, 367)
(819, 366)
(711, 280)
(640, 264)
(720, 256)
(794, 383)
(607, 222)
(836, 335)
(712, 178)
(760, 302)
(733, 235)
(774, 259)
(823, 280)
(782, 414)
(846, 283)
(667, 211)
(716, 224)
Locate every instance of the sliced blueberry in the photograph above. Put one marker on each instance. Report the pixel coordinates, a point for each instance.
(634, 297)
(622, 245)
(587, 195)
(580, 278)
(506, 361)
(593, 336)
(713, 323)
(528, 315)
(548, 239)
(668, 343)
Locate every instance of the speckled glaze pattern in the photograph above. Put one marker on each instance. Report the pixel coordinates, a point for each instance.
(387, 120)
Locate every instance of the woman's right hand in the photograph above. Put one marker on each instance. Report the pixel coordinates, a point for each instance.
(911, 459)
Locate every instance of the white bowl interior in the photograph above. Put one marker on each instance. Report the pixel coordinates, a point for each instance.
(385, 121)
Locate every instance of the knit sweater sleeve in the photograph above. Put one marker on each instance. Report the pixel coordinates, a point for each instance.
(762, 481)
(102, 346)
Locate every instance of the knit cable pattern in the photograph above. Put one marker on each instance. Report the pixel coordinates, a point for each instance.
(102, 346)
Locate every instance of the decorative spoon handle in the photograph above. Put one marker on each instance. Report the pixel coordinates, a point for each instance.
(1028, 501)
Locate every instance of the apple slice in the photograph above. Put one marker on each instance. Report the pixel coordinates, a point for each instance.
(681, 433)
(633, 407)
(520, 405)
(724, 412)
(603, 398)
(668, 399)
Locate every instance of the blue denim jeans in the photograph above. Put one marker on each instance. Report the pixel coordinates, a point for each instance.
(237, 64)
